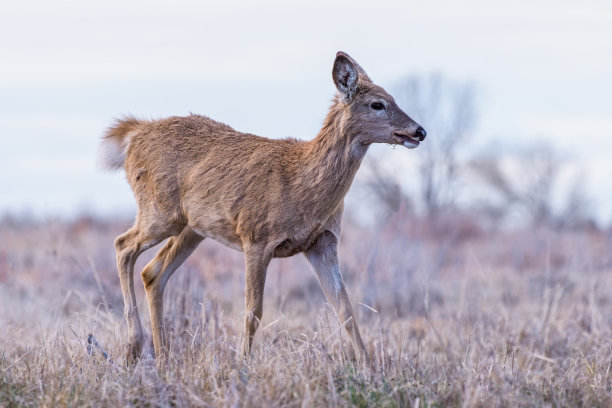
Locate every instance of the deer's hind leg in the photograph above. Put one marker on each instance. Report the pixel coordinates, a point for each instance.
(129, 246)
(155, 277)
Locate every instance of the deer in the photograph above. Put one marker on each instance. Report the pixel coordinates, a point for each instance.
(195, 178)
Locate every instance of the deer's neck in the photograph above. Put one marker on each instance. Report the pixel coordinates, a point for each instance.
(332, 159)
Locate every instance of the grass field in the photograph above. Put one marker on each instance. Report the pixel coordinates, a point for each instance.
(453, 315)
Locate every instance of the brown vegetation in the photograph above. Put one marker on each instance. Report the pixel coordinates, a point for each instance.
(487, 318)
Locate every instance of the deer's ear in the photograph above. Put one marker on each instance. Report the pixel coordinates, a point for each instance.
(346, 75)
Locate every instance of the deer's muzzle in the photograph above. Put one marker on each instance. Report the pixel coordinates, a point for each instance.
(409, 140)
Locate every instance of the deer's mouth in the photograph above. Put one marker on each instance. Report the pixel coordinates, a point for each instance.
(406, 140)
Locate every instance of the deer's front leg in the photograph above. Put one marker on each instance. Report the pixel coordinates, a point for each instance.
(257, 258)
(323, 256)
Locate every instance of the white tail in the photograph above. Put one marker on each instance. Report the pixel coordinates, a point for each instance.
(116, 141)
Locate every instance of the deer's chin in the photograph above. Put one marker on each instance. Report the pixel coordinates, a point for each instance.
(412, 144)
(406, 141)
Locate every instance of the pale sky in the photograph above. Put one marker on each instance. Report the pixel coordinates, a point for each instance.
(543, 71)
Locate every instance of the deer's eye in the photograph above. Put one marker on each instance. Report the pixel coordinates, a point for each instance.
(377, 106)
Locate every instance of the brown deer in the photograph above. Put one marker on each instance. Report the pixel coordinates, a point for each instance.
(195, 178)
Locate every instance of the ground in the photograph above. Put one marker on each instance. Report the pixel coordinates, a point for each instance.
(464, 316)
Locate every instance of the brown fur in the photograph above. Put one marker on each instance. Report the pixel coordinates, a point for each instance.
(195, 178)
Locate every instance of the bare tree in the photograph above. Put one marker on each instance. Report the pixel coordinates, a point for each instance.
(447, 110)
(577, 212)
(523, 179)
(529, 180)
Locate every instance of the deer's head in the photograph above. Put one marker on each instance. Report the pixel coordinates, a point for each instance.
(372, 112)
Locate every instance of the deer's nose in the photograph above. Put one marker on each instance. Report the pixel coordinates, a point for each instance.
(421, 133)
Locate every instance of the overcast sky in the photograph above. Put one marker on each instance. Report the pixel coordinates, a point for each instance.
(543, 71)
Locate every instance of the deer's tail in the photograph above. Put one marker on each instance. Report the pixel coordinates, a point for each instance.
(116, 141)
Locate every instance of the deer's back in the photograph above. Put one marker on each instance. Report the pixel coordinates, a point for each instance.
(226, 184)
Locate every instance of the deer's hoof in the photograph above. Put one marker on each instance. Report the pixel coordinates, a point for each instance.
(133, 352)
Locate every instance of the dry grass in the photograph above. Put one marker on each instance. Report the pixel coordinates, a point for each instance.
(464, 318)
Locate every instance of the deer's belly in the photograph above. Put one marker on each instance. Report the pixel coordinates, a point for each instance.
(296, 244)
(220, 232)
